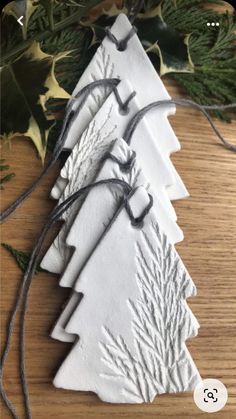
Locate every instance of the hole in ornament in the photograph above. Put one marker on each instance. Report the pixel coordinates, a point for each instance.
(137, 223)
(126, 167)
(124, 110)
(121, 46)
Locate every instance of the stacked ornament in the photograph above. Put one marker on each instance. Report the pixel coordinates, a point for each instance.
(127, 314)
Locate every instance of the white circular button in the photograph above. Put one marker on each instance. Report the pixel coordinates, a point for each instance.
(210, 395)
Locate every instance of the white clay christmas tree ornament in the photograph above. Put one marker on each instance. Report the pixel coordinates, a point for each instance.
(134, 65)
(133, 319)
(95, 214)
(83, 164)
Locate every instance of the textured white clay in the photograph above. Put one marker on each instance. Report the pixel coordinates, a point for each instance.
(133, 319)
(95, 214)
(85, 160)
(58, 331)
(134, 65)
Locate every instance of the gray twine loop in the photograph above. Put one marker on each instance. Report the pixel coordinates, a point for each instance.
(137, 221)
(123, 106)
(124, 166)
(122, 44)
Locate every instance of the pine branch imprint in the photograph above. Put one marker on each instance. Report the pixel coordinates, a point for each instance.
(161, 322)
(104, 69)
(82, 166)
(132, 177)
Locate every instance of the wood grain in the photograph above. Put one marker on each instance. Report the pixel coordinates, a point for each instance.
(208, 218)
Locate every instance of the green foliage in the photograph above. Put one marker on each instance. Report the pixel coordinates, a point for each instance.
(21, 258)
(171, 46)
(55, 26)
(212, 49)
(3, 168)
(181, 46)
(174, 32)
(26, 84)
(159, 38)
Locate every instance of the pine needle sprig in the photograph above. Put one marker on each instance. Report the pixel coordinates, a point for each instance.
(21, 258)
(39, 27)
(212, 50)
(77, 42)
(6, 178)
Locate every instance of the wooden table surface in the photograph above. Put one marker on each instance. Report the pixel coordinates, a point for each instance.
(208, 218)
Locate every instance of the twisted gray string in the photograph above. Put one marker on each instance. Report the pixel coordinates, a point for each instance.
(22, 295)
(124, 166)
(122, 44)
(186, 103)
(123, 106)
(138, 221)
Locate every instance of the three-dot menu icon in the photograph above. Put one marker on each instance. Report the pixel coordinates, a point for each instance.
(213, 24)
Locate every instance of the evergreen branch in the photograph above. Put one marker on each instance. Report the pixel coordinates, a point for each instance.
(21, 258)
(213, 52)
(6, 178)
(44, 34)
(3, 166)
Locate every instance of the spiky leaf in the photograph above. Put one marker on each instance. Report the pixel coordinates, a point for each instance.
(18, 9)
(26, 84)
(170, 46)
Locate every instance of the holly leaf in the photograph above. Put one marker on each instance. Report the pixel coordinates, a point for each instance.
(17, 9)
(26, 9)
(26, 84)
(170, 46)
(115, 11)
(167, 48)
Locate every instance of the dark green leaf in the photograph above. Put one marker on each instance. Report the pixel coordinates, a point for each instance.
(26, 85)
(17, 9)
(170, 46)
(157, 37)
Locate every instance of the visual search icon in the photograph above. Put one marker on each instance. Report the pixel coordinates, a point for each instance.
(210, 395)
